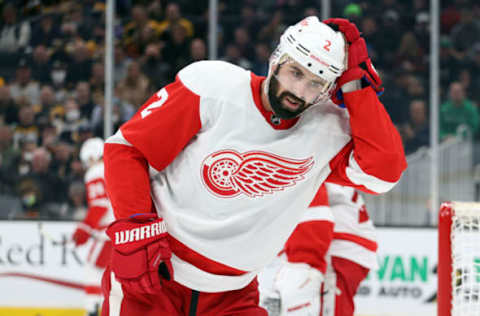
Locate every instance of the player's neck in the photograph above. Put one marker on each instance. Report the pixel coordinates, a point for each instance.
(265, 103)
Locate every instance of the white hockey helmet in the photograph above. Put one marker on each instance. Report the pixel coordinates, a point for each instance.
(91, 151)
(318, 49)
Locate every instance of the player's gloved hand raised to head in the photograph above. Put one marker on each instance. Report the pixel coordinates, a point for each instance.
(359, 65)
(141, 253)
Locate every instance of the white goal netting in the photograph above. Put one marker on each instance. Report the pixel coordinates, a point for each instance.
(465, 244)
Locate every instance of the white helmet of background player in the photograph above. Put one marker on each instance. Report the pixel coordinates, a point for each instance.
(91, 151)
(305, 65)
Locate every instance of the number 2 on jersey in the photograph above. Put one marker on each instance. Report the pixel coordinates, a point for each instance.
(163, 95)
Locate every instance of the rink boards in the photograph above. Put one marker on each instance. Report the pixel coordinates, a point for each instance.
(41, 273)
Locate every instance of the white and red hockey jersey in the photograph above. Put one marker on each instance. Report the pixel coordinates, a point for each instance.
(335, 224)
(230, 184)
(354, 235)
(99, 215)
(313, 235)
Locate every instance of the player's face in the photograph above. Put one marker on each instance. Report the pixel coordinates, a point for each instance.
(295, 87)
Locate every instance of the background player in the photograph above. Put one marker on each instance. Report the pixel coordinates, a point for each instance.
(99, 215)
(221, 159)
(327, 256)
(352, 253)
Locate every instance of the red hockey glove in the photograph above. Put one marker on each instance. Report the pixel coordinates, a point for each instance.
(359, 64)
(140, 252)
(81, 234)
(348, 29)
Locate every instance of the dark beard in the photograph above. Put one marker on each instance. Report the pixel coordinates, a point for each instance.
(276, 102)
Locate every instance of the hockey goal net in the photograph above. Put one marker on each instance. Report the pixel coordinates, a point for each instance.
(459, 259)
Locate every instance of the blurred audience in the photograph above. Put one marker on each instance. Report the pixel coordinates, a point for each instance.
(23, 84)
(457, 112)
(52, 74)
(9, 159)
(14, 34)
(84, 98)
(79, 66)
(76, 208)
(8, 108)
(139, 31)
(35, 187)
(173, 16)
(72, 121)
(466, 31)
(198, 50)
(135, 88)
(40, 64)
(416, 132)
(26, 129)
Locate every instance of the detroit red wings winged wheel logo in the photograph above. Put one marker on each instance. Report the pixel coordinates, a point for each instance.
(228, 173)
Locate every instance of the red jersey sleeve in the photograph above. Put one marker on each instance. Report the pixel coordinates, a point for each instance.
(374, 160)
(155, 135)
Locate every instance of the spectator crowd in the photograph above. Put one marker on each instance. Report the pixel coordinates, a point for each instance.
(52, 75)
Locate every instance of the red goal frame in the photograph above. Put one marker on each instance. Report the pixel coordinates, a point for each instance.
(444, 268)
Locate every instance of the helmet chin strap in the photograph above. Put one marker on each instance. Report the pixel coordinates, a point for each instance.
(277, 107)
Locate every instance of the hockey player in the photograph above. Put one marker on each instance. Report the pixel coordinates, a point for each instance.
(210, 177)
(98, 217)
(352, 253)
(329, 253)
(292, 283)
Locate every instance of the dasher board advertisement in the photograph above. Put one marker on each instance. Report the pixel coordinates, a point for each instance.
(406, 281)
(39, 265)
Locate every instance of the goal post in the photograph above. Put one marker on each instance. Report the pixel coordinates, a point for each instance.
(459, 259)
(444, 292)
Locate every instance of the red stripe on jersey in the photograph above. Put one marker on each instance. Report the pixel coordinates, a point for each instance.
(309, 243)
(201, 262)
(321, 197)
(378, 146)
(365, 243)
(256, 85)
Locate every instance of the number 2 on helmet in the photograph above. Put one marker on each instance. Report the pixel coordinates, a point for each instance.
(327, 46)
